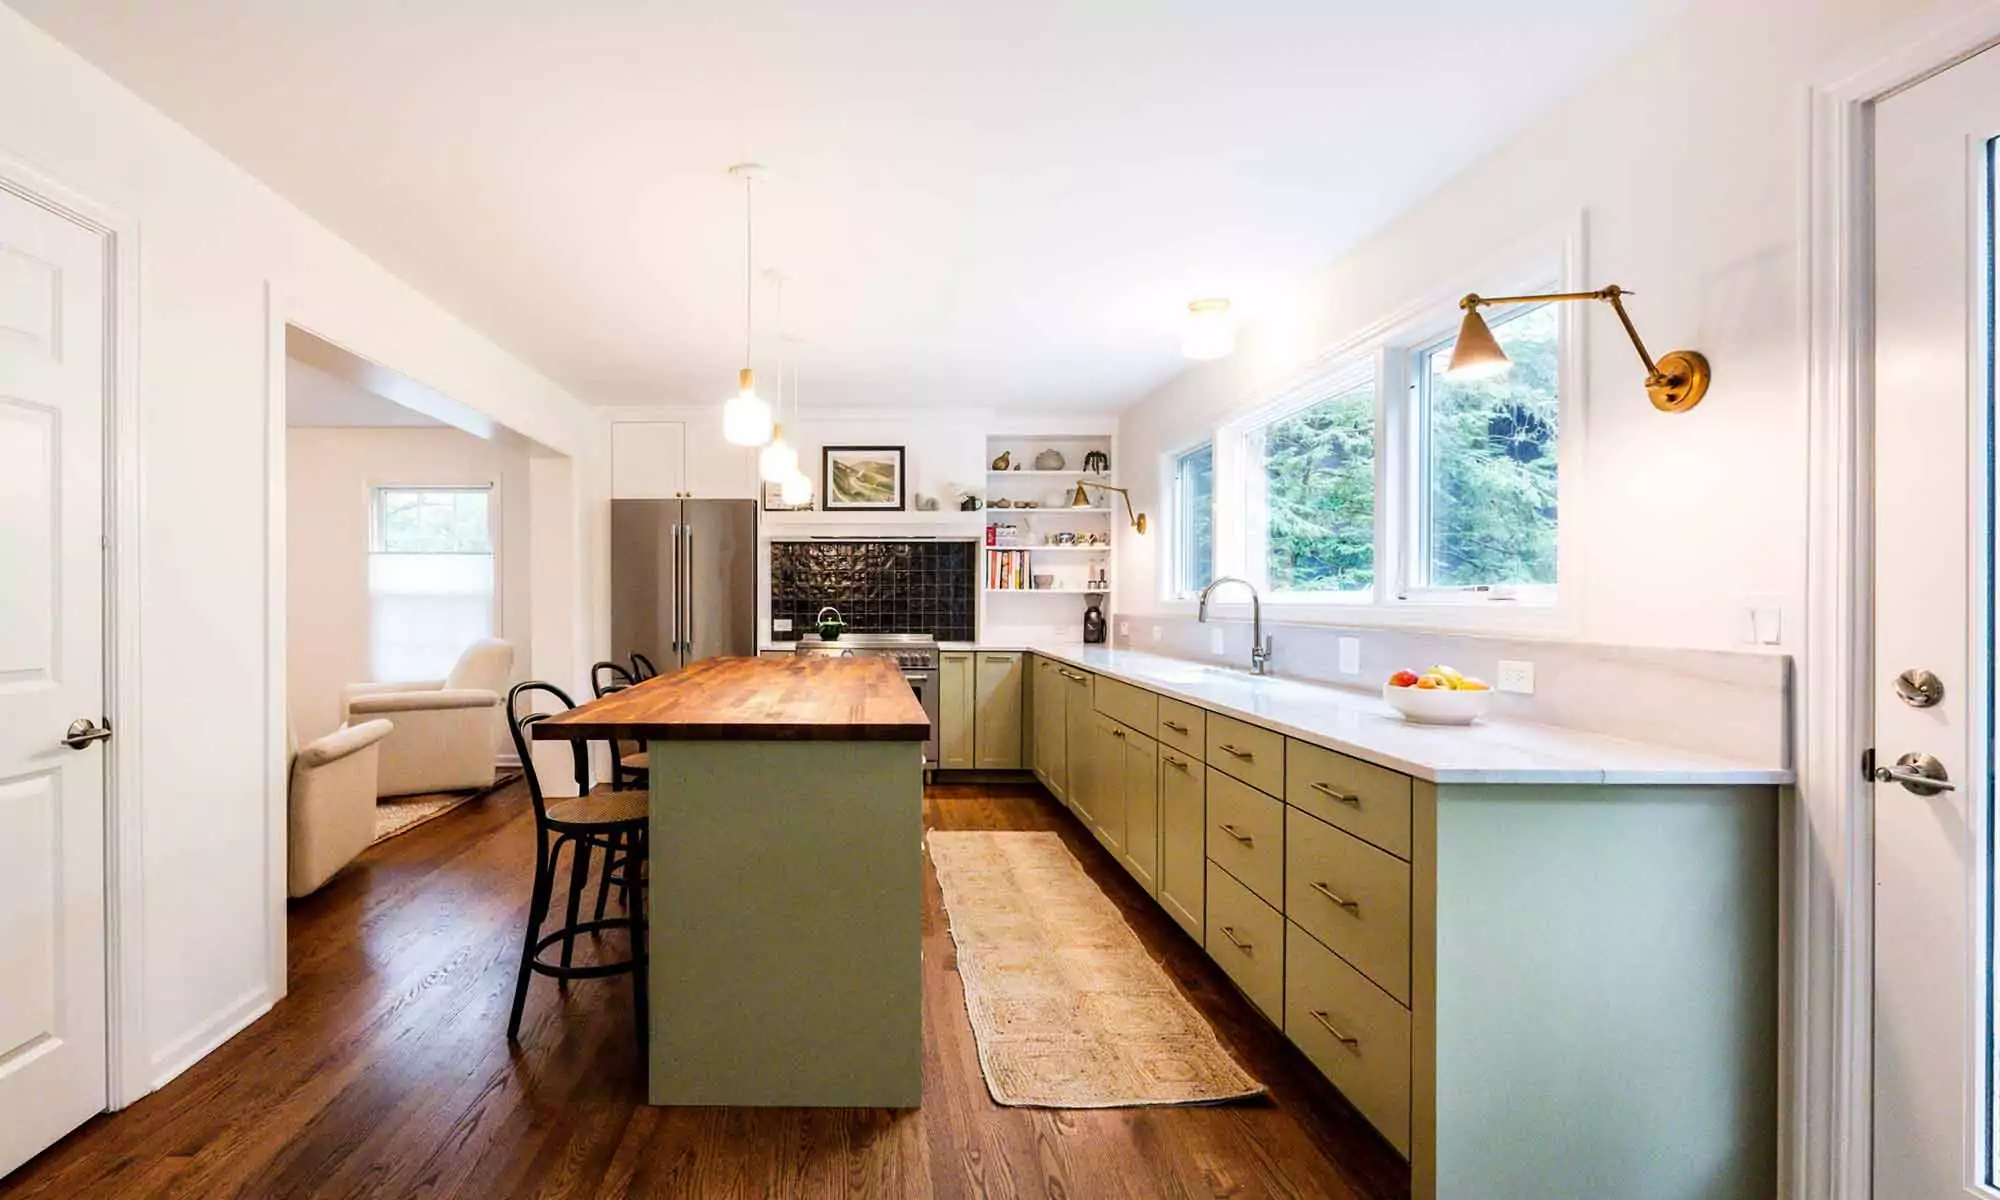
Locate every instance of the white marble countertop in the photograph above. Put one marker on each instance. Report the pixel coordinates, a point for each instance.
(1362, 725)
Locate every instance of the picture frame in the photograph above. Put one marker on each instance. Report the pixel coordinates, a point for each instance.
(774, 500)
(862, 479)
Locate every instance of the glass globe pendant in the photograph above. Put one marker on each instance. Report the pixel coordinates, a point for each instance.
(778, 461)
(796, 489)
(746, 416)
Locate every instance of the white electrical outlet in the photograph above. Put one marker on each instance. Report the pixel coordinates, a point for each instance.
(1156, 634)
(1215, 643)
(781, 624)
(1350, 656)
(1124, 629)
(1517, 677)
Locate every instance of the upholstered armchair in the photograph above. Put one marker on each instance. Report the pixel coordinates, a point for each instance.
(446, 729)
(332, 803)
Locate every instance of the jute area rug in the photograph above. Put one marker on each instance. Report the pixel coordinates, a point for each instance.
(1068, 1009)
(400, 814)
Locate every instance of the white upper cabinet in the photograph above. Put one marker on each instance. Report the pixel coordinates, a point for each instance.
(665, 460)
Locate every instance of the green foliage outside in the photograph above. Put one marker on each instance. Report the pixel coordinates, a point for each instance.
(1492, 475)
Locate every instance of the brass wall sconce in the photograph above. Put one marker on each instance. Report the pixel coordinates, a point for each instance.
(1082, 500)
(1677, 382)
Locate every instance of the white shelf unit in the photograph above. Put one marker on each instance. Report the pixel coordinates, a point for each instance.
(1069, 567)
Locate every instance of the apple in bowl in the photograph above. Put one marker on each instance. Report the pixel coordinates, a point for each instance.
(1438, 696)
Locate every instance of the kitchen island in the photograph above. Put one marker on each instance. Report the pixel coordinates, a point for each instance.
(785, 894)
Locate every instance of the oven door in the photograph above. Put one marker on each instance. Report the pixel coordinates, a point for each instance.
(925, 685)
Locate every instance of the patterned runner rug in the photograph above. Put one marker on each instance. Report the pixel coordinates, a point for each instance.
(1068, 1009)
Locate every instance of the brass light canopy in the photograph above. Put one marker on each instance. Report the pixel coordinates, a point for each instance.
(1082, 500)
(1676, 383)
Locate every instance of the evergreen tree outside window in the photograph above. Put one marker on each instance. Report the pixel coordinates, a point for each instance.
(1311, 479)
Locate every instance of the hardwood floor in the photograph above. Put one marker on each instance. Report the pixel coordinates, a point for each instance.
(387, 1072)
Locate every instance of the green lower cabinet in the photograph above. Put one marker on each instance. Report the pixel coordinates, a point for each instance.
(1078, 778)
(1183, 816)
(1107, 783)
(1141, 780)
(955, 712)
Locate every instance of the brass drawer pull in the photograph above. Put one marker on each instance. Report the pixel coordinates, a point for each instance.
(1231, 830)
(1119, 734)
(1245, 755)
(1178, 764)
(1338, 1036)
(1353, 906)
(1230, 933)
(1338, 797)
(1175, 726)
(1070, 675)
(999, 658)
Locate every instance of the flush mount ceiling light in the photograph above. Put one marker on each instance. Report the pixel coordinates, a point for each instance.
(778, 460)
(746, 417)
(1676, 383)
(1210, 331)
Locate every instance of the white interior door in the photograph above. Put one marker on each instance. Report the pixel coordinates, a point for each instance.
(1933, 581)
(52, 948)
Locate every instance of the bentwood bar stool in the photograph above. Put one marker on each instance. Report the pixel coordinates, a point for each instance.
(606, 678)
(613, 822)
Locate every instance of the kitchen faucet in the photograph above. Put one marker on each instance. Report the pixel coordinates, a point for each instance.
(1260, 646)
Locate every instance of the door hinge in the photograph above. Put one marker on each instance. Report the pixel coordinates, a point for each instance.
(1868, 765)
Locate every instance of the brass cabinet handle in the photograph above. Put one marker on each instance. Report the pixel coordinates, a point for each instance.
(1245, 755)
(1230, 933)
(1178, 764)
(1338, 1036)
(1231, 830)
(1353, 906)
(1070, 675)
(998, 658)
(1119, 734)
(1177, 728)
(1339, 797)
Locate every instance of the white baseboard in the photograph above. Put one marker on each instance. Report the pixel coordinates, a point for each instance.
(201, 1041)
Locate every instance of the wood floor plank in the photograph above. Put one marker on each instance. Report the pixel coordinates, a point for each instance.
(386, 1071)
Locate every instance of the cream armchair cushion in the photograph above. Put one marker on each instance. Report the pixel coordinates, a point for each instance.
(332, 803)
(445, 728)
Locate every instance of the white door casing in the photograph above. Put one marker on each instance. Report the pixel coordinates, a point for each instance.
(53, 389)
(1932, 588)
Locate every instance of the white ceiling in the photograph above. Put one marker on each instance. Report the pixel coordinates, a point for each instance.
(1002, 205)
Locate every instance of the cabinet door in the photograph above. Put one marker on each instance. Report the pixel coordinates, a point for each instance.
(1183, 838)
(1050, 758)
(996, 743)
(1142, 810)
(1077, 743)
(1107, 783)
(955, 713)
(717, 470)
(648, 460)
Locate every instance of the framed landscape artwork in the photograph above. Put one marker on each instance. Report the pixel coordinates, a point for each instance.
(862, 478)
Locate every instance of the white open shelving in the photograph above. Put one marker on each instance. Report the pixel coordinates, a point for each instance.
(1070, 567)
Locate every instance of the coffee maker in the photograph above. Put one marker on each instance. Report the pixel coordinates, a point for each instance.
(1093, 625)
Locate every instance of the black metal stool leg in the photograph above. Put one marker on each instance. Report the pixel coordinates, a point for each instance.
(611, 857)
(537, 906)
(579, 871)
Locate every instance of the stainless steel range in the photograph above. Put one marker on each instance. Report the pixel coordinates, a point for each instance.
(915, 653)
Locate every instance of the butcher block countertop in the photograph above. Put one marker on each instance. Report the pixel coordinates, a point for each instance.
(805, 699)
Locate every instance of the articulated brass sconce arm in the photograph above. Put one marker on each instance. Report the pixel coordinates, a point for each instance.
(1676, 383)
(1138, 519)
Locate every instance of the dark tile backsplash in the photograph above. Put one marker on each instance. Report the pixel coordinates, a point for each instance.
(879, 587)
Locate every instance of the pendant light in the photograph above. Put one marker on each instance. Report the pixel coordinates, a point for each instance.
(778, 460)
(795, 489)
(746, 417)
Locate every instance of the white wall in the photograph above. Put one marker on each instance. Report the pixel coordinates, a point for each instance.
(329, 477)
(211, 241)
(1688, 161)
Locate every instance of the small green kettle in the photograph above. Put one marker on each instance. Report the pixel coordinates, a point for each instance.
(829, 625)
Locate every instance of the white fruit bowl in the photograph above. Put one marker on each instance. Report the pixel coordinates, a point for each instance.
(1437, 706)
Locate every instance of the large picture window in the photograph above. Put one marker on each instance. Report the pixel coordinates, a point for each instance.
(1194, 519)
(430, 579)
(1488, 466)
(1310, 492)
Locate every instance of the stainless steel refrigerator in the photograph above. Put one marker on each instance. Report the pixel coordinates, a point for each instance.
(683, 580)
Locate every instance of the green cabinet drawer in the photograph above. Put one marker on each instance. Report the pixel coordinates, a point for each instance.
(1128, 705)
(1370, 802)
(1246, 938)
(1254, 755)
(1352, 1031)
(1246, 835)
(1183, 727)
(1352, 896)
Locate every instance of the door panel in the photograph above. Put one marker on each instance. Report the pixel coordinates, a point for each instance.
(645, 580)
(955, 709)
(1107, 782)
(52, 939)
(648, 460)
(1183, 837)
(1932, 585)
(720, 597)
(1142, 810)
(1077, 744)
(997, 744)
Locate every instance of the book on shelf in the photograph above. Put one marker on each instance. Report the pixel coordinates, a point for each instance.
(1007, 570)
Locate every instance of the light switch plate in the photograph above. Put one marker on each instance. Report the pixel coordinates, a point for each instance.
(1350, 656)
(1216, 644)
(1516, 677)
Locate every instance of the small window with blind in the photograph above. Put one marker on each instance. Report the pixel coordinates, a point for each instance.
(431, 579)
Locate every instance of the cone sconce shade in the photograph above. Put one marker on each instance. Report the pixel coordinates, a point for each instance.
(1476, 354)
(1675, 383)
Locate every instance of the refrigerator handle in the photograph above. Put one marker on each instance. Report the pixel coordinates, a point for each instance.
(687, 589)
(675, 647)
